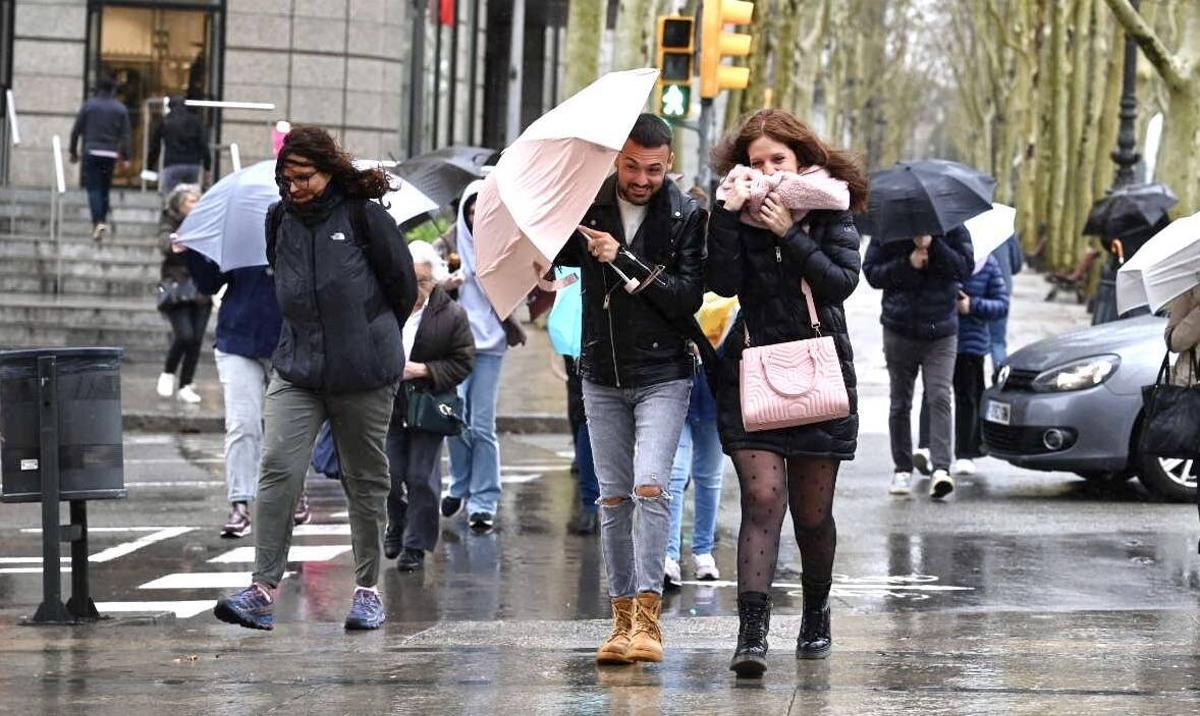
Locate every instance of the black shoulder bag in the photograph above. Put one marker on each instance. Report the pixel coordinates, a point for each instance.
(1171, 420)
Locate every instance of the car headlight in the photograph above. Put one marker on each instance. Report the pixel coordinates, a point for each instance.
(1077, 375)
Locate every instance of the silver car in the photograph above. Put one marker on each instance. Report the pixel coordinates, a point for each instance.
(1073, 403)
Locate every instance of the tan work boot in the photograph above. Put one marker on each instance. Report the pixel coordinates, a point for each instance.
(645, 644)
(614, 650)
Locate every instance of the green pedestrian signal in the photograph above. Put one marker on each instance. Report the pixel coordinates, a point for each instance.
(676, 101)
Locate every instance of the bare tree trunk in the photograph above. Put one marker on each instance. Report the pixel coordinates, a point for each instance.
(585, 25)
(634, 40)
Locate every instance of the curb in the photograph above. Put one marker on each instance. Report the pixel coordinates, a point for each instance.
(152, 422)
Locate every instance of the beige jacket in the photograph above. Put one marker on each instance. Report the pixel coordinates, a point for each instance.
(1183, 335)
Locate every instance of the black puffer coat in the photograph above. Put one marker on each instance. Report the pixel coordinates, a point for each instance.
(444, 344)
(342, 296)
(921, 304)
(764, 271)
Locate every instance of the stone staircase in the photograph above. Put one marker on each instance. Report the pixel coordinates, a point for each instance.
(107, 291)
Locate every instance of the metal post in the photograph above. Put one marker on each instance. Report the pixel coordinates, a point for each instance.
(80, 605)
(437, 80)
(56, 210)
(1126, 156)
(416, 78)
(516, 59)
(453, 95)
(705, 177)
(51, 610)
(235, 156)
(473, 75)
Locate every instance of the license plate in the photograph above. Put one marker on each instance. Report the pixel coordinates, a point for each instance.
(998, 412)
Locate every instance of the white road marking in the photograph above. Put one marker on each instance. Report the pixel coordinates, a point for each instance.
(181, 609)
(298, 553)
(203, 580)
(341, 515)
(174, 460)
(28, 570)
(340, 530)
(38, 530)
(28, 560)
(175, 483)
(130, 547)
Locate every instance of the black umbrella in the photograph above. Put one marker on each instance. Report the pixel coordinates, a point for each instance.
(1129, 211)
(441, 175)
(931, 196)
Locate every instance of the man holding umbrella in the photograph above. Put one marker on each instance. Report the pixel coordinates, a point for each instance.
(920, 258)
(637, 369)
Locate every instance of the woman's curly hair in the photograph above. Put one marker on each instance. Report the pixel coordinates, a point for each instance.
(810, 150)
(307, 145)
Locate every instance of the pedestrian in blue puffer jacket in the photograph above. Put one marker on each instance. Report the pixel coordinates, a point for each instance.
(247, 333)
(983, 298)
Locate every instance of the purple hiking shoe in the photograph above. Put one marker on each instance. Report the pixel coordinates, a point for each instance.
(252, 608)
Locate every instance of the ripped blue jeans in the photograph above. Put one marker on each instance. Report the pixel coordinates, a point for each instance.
(634, 434)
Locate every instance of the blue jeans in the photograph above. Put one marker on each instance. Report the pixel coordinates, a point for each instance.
(97, 178)
(698, 460)
(998, 327)
(475, 454)
(589, 487)
(634, 434)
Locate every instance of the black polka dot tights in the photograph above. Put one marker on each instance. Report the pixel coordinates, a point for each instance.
(770, 485)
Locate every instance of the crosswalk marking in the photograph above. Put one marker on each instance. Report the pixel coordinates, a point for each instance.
(181, 609)
(130, 547)
(338, 530)
(203, 580)
(298, 553)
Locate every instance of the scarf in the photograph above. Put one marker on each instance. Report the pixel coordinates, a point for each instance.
(813, 188)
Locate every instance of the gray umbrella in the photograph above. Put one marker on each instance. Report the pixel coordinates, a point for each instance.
(442, 174)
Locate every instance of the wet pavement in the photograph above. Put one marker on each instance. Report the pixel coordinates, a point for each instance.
(1025, 593)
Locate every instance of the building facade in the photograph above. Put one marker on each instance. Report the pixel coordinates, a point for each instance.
(344, 64)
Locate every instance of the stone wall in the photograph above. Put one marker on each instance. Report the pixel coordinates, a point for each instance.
(48, 59)
(336, 63)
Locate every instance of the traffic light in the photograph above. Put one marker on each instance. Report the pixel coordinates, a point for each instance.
(675, 51)
(716, 44)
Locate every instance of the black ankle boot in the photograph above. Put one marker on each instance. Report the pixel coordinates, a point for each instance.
(816, 639)
(754, 615)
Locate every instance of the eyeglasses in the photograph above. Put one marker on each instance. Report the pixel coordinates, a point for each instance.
(303, 180)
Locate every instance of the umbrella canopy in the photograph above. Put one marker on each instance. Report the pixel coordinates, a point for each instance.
(405, 201)
(443, 174)
(1165, 267)
(1129, 210)
(227, 224)
(931, 196)
(544, 183)
(989, 230)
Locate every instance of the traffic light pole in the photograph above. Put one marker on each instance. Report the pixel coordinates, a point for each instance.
(705, 177)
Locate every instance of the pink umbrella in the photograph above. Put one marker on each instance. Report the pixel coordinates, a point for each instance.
(534, 199)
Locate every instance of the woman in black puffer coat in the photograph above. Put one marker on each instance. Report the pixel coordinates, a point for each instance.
(793, 466)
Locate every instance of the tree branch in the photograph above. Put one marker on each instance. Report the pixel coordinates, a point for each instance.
(1152, 46)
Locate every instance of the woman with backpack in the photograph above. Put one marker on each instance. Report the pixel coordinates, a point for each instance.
(345, 286)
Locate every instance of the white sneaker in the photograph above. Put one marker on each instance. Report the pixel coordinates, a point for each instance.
(941, 485)
(672, 575)
(706, 567)
(964, 466)
(922, 461)
(166, 385)
(188, 394)
(901, 484)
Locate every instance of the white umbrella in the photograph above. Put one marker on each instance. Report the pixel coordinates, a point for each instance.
(534, 199)
(227, 224)
(1165, 267)
(405, 200)
(990, 230)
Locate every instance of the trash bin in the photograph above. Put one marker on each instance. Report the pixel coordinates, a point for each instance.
(90, 456)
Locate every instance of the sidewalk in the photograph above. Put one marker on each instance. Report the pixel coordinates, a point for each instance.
(533, 392)
(533, 398)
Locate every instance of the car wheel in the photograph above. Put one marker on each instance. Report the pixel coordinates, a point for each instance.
(1170, 479)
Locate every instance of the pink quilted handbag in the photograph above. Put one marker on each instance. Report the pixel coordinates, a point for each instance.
(794, 383)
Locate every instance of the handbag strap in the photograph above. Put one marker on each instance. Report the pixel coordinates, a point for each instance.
(812, 312)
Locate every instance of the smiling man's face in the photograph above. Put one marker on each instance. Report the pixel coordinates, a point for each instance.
(641, 171)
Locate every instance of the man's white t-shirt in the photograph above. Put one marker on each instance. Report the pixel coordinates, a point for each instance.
(632, 216)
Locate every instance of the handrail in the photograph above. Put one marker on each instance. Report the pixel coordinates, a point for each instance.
(204, 103)
(14, 132)
(56, 191)
(235, 156)
(222, 104)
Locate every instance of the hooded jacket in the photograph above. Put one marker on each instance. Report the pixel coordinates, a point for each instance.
(343, 297)
(989, 302)
(486, 326)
